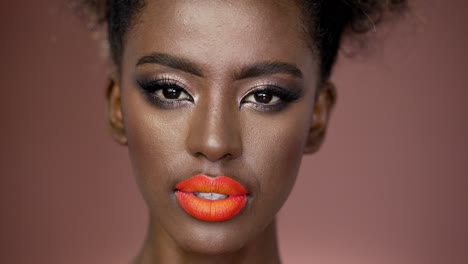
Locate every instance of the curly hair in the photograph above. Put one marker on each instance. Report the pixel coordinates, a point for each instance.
(327, 21)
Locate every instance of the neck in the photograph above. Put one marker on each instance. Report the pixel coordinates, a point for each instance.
(157, 249)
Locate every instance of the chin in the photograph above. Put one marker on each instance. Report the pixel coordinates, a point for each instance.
(209, 238)
(212, 245)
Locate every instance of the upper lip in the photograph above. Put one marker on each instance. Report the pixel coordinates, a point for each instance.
(205, 184)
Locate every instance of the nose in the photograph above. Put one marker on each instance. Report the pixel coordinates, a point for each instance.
(214, 132)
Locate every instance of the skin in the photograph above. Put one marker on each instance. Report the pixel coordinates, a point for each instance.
(221, 131)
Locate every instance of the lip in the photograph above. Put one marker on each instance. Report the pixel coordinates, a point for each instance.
(234, 197)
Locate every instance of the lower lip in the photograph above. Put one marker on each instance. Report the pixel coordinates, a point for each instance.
(211, 210)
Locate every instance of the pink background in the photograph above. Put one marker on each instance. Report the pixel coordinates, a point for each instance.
(389, 186)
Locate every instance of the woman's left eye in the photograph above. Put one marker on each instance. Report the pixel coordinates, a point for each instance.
(271, 98)
(265, 97)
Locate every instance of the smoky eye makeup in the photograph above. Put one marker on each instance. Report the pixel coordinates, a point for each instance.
(164, 92)
(168, 93)
(270, 98)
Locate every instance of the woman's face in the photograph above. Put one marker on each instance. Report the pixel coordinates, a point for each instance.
(216, 88)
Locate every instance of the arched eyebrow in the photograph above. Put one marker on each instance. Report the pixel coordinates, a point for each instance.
(171, 61)
(268, 68)
(249, 71)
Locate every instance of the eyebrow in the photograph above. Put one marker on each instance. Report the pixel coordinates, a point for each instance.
(172, 62)
(250, 71)
(269, 68)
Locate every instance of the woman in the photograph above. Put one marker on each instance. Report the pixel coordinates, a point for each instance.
(217, 101)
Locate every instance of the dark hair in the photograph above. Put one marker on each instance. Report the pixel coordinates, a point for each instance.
(326, 20)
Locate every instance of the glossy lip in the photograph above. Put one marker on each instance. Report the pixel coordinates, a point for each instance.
(211, 210)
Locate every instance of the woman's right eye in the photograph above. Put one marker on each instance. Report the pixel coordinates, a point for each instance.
(172, 93)
(165, 93)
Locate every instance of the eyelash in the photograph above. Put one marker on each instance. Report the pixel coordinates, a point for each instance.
(285, 97)
(150, 87)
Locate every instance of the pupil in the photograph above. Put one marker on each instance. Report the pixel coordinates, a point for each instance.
(263, 97)
(171, 93)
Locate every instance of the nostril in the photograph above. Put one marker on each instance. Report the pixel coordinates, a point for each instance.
(227, 157)
(213, 156)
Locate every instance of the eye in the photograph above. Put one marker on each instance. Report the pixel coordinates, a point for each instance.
(271, 98)
(265, 97)
(165, 93)
(172, 92)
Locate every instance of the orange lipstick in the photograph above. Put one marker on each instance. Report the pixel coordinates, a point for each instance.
(211, 199)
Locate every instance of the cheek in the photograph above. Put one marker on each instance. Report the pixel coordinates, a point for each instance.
(274, 149)
(153, 143)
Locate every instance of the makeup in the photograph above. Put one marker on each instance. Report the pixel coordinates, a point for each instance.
(165, 93)
(271, 98)
(211, 199)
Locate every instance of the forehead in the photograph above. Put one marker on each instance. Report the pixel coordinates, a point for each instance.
(234, 31)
